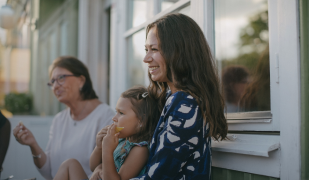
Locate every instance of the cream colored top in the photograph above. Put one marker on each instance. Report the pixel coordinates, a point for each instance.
(74, 139)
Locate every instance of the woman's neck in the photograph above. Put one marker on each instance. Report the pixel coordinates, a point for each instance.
(172, 87)
(81, 109)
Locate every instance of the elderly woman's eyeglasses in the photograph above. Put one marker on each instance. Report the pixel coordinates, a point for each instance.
(60, 80)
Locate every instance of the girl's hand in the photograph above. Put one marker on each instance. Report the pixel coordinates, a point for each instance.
(23, 135)
(110, 141)
(101, 134)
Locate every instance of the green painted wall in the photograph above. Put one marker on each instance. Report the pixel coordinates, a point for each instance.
(225, 174)
(47, 7)
(304, 77)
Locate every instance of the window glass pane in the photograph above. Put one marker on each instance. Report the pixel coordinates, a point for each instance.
(242, 53)
(165, 4)
(136, 69)
(136, 13)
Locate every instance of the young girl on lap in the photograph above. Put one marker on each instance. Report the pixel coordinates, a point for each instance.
(125, 153)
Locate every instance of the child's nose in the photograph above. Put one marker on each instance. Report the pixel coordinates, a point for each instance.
(115, 119)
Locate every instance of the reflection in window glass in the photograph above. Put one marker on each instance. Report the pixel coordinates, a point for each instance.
(167, 3)
(136, 69)
(136, 13)
(242, 53)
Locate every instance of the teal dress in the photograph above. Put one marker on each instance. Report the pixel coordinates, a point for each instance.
(122, 151)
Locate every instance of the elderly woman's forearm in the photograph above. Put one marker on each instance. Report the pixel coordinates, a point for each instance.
(36, 150)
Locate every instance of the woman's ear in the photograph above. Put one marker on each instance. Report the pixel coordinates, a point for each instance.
(140, 124)
(82, 81)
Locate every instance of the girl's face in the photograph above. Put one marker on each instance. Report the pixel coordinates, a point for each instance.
(154, 59)
(126, 117)
(68, 91)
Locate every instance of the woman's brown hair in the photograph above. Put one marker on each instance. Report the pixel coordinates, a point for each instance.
(76, 67)
(190, 66)
(145, 106)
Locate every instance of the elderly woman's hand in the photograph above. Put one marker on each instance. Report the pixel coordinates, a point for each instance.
(23, 135)
(101, 134)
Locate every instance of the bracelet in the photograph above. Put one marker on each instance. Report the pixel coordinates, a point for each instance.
(36, 156)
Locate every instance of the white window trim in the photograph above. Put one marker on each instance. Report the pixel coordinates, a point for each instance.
(248, 144)
(93, 43)
(287, 103)
(258, 154)
(176, 6)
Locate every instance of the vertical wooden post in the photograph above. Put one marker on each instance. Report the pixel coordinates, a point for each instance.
(304, 48)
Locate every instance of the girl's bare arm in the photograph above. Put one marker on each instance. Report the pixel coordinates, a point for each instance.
(132, 166)
(96, 156)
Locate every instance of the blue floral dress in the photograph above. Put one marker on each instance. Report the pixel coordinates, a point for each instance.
(122, 151)
(179, 148)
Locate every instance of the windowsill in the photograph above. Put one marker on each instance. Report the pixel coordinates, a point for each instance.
(249, 121)
(255, 145)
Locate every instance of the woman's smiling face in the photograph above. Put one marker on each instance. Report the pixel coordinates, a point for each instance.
(154, 59)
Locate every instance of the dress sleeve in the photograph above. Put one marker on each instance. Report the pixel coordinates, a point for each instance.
(177, 141)
(45, 170)
(128, 146)
(2, 120)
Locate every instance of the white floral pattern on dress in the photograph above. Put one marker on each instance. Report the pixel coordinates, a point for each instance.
(180, 148)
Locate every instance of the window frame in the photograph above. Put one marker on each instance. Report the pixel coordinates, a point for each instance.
(285, 95)
(203, 13)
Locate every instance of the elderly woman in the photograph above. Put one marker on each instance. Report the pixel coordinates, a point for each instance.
(73, 130)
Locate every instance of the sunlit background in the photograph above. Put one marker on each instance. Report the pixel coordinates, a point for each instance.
(15, 61)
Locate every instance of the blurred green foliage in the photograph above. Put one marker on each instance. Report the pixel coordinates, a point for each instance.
(253, 41)
(18, 103)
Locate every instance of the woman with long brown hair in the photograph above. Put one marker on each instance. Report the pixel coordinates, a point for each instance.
(182, 74)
